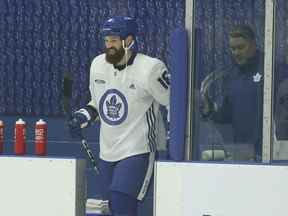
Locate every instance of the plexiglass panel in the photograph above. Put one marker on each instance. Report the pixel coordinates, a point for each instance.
(228, 88)
(280, 132)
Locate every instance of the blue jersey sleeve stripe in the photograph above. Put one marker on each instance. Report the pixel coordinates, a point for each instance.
(150, 116)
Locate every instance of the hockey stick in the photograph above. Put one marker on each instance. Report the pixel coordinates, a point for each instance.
(67, 95)
(209, 106)
(206, 84)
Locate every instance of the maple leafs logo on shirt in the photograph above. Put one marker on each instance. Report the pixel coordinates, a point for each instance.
(113, 108)
(257, 77)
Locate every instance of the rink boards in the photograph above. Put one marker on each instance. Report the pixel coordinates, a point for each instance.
(201, 189)
(42, 186)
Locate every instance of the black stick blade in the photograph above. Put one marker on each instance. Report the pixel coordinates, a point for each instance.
(67, 93)
(67, 85)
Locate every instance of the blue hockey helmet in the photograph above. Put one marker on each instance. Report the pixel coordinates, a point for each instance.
(121, 26)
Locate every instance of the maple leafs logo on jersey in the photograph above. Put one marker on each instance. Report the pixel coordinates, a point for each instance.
(113, 108)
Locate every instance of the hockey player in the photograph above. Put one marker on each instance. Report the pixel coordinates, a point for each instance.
(126, 89)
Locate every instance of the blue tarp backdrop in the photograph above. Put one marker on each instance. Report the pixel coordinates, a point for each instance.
(41, 40)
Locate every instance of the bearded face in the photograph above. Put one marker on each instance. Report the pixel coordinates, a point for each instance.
(114, 55)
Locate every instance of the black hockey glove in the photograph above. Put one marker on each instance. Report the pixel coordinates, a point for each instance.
(81, 119)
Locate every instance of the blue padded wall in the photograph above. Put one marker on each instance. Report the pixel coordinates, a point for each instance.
(179, 86)
(42, 39)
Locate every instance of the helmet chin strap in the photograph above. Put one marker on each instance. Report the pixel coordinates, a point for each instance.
(129, 47)
(126, 57)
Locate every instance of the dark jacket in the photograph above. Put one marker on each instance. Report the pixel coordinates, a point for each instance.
(238, 96)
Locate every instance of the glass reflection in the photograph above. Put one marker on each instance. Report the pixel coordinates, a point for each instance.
(229, 88)
(280, 116)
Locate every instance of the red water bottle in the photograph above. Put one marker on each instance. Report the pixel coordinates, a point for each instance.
(1, 136)
(41, 138)
(20, 137)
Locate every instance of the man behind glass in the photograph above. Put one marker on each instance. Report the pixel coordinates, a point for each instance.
(234, 95)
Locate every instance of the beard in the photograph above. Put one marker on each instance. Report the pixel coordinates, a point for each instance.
(113, 55)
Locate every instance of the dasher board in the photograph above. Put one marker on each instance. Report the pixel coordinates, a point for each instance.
(200, 189)
(31, 186)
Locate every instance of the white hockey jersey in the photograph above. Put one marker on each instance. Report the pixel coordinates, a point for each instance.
(128, 105)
